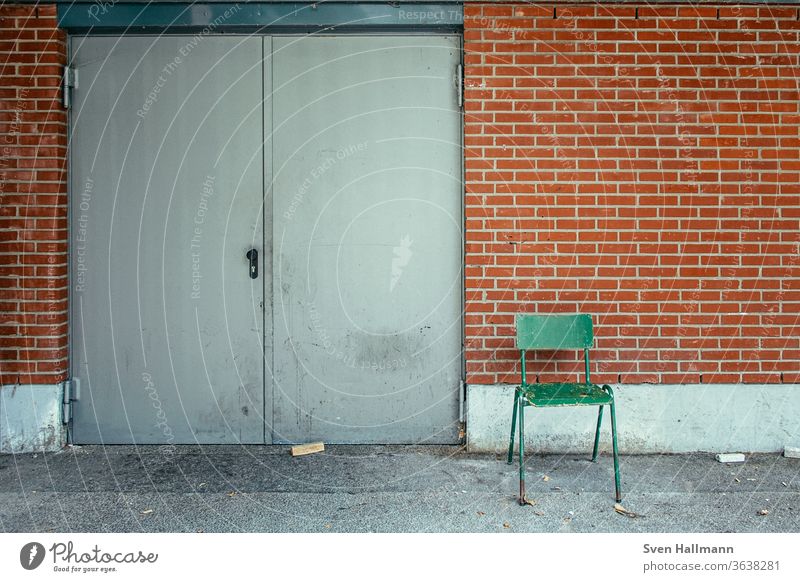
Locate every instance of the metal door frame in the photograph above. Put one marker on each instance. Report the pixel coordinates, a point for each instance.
(271, 17)
(74, 32)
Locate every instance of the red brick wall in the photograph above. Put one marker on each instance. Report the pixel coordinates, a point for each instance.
(643, 165)
(33, 199)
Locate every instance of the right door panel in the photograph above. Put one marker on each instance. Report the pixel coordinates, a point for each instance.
(367, 233)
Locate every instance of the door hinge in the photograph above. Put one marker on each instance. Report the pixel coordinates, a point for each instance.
(462, 401)
(69, 81)
(460, 84)
(71, 393)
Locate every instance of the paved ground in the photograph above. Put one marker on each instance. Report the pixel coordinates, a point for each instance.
(387, 489)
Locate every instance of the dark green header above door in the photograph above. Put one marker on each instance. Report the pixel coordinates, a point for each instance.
(235, 17)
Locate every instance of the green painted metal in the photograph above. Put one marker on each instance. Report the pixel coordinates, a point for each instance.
(554, 332)
(614, 445)
(597, 432)
(522, 499)
(513, 427)
(587, 371)
(229, 16)
(542, 395)
(549, 332)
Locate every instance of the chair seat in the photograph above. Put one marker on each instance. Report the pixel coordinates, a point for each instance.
(565, 394)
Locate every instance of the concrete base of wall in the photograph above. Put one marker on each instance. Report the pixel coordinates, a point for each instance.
(650, 419)
(30, 418)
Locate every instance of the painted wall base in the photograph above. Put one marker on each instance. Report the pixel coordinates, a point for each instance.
(30, 418)
(650, 419)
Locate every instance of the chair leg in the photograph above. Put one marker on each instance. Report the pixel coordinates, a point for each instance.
(522, 453)
(513, 428)
(597, 434)
(616, 459)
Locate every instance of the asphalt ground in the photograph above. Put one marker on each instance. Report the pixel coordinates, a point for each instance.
(387, 489)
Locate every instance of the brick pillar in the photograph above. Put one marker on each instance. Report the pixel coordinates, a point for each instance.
(33, 198)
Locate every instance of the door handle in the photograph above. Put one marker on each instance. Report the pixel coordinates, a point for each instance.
(252, 256)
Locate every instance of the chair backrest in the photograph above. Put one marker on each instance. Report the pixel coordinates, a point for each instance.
(554, 332)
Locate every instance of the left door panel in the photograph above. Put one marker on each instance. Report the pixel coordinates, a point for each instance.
(166, 201)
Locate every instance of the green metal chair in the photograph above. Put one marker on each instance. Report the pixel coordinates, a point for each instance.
(558, 332)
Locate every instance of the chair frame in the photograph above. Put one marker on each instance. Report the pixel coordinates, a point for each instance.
(525, 395)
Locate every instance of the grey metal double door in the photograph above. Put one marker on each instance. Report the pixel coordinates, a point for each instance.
(266, 239)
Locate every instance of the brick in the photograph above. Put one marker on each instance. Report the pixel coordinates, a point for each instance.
(643, 170)
(33, 124)
(656, 143)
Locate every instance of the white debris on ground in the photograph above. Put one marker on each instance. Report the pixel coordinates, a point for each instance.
(730, 458)
(791, 452)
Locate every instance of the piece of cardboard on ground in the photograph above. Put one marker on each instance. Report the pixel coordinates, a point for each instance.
(307, 449)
